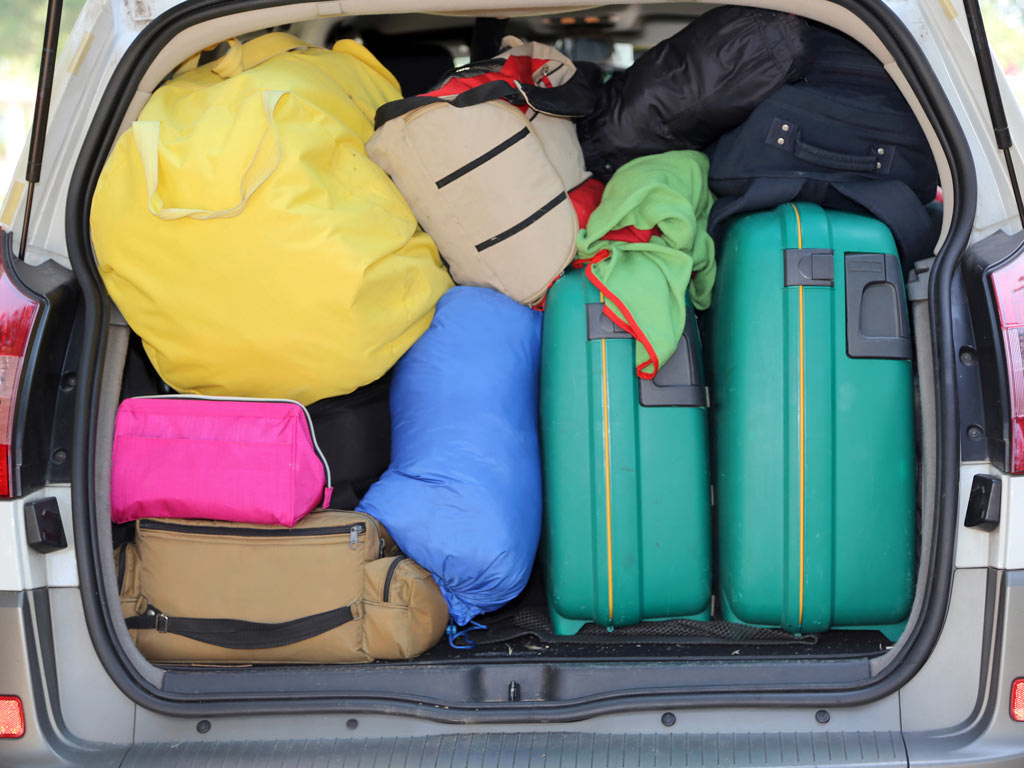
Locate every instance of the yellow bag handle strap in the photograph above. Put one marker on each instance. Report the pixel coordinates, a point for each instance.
(243, 56)
(147, 142)
(188, 65)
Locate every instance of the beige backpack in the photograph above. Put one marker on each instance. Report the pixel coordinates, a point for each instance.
(486, 162)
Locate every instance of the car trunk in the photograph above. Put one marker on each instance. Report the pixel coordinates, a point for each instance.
(516, 658)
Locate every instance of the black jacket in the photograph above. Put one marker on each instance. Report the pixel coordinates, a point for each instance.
(689, 89)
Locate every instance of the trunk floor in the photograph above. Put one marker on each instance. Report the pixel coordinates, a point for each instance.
(522, 629)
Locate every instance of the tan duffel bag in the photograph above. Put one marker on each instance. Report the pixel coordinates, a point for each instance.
(330, 590)
(486, 162)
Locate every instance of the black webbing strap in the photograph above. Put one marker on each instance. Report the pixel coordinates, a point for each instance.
(242, 635)
(895, 204)
(497, 89)
(890, 201)
(572, 99)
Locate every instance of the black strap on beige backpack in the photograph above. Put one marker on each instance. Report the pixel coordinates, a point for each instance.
(573, 99)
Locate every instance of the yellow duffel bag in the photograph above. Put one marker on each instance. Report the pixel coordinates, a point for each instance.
(246, 237)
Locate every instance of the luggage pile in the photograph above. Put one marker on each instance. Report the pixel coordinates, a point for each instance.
(238, 490)
(559, 398)
(229, 232)
(809, 362)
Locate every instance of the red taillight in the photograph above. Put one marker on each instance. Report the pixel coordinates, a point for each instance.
(1008, 284)
(1017, 700)
(12, 718)
(17, 315)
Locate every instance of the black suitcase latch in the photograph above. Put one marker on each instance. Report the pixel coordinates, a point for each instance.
(809, 266)
(600, 326)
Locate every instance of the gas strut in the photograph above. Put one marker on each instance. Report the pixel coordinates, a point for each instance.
(42, 111)
(995, 101)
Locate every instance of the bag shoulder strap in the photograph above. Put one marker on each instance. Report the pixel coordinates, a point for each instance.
(242, 635)
(497, 89)
(894, 203)
(265, 159)
(573, 99)
(243, 56)
(889, 200)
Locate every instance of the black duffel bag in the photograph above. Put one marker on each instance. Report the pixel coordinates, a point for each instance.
(354, 434)
(844, 138)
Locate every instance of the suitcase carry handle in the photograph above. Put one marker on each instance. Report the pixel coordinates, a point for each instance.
(838, 161)
(242, 635)
(680, 381)
(147, 141)
(876, 307)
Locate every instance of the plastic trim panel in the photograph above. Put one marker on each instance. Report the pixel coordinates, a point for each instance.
(537, 750)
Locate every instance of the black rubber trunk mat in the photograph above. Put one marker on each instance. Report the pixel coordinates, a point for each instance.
(531, 621)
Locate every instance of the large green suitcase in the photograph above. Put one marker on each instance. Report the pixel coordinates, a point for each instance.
(811, 411)
(627, 524)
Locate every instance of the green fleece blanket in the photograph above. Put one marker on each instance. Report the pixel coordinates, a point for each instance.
(644, 284)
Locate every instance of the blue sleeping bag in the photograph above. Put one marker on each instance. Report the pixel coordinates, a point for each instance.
(462, 496)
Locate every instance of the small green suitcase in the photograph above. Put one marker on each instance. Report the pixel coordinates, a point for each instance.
(811, 409)
(627, 524)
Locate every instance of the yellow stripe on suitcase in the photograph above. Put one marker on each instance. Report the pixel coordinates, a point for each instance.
(607, 471)
(800, 422)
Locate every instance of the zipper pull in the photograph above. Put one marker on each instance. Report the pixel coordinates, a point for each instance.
(353, 537)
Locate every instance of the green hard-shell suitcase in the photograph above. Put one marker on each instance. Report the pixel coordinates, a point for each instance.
(811, 412)
(627, 526)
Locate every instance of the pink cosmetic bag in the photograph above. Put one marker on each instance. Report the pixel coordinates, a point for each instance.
(238, 460)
